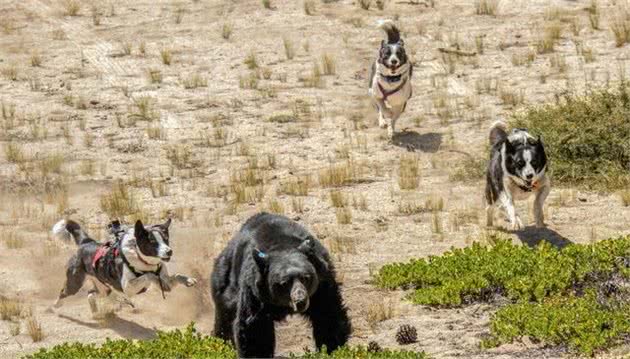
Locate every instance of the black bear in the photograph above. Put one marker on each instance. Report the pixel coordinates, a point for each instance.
(271, 268)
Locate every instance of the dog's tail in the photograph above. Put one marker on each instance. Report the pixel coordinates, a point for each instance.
(65, 229)
(498, 132)
(393, 34)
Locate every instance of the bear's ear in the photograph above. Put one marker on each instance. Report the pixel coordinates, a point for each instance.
(306, 247)
(261, 259)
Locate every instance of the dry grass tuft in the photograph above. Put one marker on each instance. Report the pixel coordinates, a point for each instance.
(338, 199)
(10, 309)
(625, 197)
(364, 4)
(329, 65)
(119, 202)
(14, 153)
(409, 171)
(341, 174)
(486, 7)
(226, 31)
(71, 7)
(379, 311)
(289, 48)
(34, 329)
(166, 55)
(309, 7)
(344, 215)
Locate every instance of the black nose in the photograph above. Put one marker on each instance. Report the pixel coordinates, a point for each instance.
(530, 176)
(394, 62)
(169, 253)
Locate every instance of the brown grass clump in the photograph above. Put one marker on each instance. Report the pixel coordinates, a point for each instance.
(379, 311)
(34, 329)
(10, 309)
(340, 174)
(486, 7)
(71, 7)
(409, 171)
(119, 202)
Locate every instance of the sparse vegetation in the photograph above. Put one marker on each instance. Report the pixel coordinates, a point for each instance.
(119, 202)
(166, 55)
(289, 48)
(71, 7)
(409, 172)
(587, 137)
(226, 31)
(486, 7)
(34, 329)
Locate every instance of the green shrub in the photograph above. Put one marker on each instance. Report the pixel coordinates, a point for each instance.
(578, 322)
(174, 344)
(587, 138)
(545, 285)
(190, 344)
(478, 272)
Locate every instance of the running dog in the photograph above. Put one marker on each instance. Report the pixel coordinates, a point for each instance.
(390, 78)
(516, 170)
(130, 265)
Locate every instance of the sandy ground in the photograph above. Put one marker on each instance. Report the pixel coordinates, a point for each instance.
(77, 104)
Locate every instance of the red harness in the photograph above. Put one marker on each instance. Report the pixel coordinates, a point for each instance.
(101, 252)
(386, 94)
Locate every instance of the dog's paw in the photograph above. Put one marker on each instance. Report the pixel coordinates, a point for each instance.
(190, 282)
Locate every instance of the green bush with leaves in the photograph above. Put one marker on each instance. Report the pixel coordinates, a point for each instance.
(479, 272)
(581, 323)
(587, 138)
(191, 344)
(173, 344)
(546, 287)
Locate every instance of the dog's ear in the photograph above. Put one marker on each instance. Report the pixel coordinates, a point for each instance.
(509, 147)
(166, 224)
(138, 230)
(261, 258)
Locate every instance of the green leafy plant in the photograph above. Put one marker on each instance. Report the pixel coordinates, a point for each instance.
(545, 285)
(188, 343)
(587, 138)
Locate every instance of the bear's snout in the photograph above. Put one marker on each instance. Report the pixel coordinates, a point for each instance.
(299, 297)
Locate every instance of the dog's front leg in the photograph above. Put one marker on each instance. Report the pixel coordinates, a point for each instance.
(508, 204)
(132, 285)
(539, 202)
(391, 129)
(171, 281)
(382, 121)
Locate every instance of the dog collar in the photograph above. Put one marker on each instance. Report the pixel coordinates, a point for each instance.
(393, 78)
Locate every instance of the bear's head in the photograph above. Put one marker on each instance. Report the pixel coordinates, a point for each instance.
(291, 278)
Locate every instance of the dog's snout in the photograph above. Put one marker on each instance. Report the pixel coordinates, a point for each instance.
(394, 62)
(169, 253)
(529, 176)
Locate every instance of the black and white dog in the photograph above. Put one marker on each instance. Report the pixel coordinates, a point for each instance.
(390, 78)
(129, 265)
(516, 170)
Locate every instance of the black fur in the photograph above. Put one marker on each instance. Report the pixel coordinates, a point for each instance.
(254, 280)
(109, 269)
(514, 161)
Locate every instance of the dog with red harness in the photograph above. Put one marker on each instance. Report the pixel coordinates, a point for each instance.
(130, 263)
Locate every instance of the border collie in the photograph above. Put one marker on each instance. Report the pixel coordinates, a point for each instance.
(390, 78)
(129, 265)
(516, 170)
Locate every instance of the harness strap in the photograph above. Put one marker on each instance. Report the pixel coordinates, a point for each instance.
(140, 273)
(386, 94)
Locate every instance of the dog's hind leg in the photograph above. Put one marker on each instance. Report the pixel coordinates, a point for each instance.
(75, 276)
